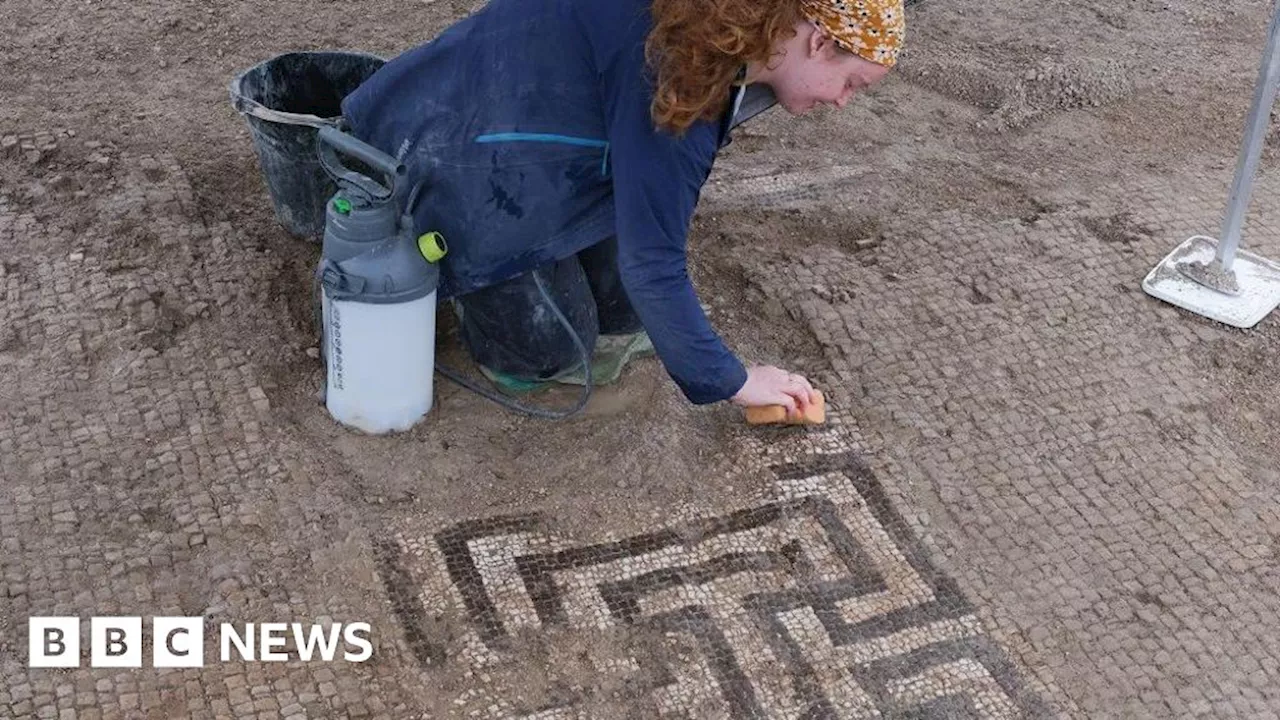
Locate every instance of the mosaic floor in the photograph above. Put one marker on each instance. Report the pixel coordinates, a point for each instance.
(817, 603)
(1023, 506)
(1095, 462)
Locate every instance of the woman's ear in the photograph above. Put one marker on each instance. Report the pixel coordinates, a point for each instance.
(820, 43)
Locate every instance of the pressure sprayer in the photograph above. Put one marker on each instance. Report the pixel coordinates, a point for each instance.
(379, 283)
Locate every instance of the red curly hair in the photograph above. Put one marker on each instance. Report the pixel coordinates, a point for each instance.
(697, 47)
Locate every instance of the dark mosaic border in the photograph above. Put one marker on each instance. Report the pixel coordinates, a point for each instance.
(805, 589)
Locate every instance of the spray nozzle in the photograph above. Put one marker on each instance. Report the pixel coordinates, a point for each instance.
(433, 247)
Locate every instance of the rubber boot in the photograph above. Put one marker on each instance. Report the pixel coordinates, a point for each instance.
(511, 385)
(611, 355)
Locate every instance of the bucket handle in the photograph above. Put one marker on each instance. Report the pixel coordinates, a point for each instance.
(246, 106)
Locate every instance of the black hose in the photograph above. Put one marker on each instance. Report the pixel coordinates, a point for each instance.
(511, 404)
(506, 402)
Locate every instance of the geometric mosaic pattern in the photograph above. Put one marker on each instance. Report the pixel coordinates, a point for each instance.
(1009, 416)
(1093, 465)
(817, 603)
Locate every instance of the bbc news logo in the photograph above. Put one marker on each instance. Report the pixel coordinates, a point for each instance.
(178, 642)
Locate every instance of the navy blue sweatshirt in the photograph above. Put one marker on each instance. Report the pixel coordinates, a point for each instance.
(529, 123)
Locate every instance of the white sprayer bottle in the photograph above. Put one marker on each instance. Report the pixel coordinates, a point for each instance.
(379, 295)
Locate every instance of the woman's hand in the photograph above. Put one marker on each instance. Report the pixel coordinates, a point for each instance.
(767, 385)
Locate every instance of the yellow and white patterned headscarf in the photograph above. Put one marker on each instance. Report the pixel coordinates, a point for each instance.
(871, 29)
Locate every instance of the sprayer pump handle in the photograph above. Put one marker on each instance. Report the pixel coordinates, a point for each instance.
(333, 143)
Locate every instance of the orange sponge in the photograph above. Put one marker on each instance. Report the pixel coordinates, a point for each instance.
(777, 414)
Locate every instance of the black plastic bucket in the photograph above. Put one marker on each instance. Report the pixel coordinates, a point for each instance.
(286, 100)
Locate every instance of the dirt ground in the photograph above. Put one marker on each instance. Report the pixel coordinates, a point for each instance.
(1002, 110)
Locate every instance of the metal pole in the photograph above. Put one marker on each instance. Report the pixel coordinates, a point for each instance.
(1251, 152)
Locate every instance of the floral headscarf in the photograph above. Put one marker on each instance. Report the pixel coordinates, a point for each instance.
(871, 29)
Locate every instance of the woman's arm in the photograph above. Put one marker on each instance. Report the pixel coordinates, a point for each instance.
(657, 181)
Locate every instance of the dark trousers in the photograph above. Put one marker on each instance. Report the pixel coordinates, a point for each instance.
(510, 329)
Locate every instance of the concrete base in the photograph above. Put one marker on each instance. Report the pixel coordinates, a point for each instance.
(1257, 277)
